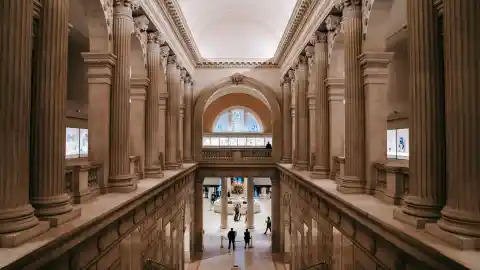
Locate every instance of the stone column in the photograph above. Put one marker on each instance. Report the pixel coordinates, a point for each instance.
(277, 222)
(336, 106)
(121, 179)
(49, 94)
(154, 66)
(172, 120)
(17, 221)
(460, 220)
(138, 92)
(181, 85)
(354, 179)
(293, 95)
(301, 113)
(99, 73)
(224, 205)
(187, 122)
(250, 204)
(321, 168)
(287, 119)
(162, 108)
(375, 74)
(311, 93)
(427, 128)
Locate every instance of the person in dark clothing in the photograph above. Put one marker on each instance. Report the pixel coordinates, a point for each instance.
(246, 237)
(269, 225)
(231, 238)
(228, 194)
(268, 146)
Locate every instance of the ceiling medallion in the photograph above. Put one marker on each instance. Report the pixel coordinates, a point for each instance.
(298, 17)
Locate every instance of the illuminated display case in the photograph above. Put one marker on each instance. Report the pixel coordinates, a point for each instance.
(236, 141)
(76, 143)
(398, 143)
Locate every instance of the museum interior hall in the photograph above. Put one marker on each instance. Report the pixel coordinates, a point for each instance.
(239, 134)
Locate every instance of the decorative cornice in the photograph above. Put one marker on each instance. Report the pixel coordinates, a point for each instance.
(236, 64)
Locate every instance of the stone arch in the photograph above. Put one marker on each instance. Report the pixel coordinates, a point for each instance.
(336, 67)
(237, 79)
(137, 58)
(380, 18)
(246, 108)
(99, 15)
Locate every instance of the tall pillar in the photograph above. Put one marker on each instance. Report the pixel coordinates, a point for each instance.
(354, 179)
(321, 168)
(187, 121)
(17, 221)
(162, 108)
(154, 66)
(224, 205)
(181, 86)
(427, 128)
(311, 93)
(336, 106)
(99, 73)
(287, 119)
(121, 179)
(460, 220)
(47, 176)
(301, 113)
(172, 120)
(138, 93)
(250, 204)
(198, 213)
(277, 223)
(293, 86)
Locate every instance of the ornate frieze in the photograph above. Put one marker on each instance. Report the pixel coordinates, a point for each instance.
(236, 64)
(366, 10)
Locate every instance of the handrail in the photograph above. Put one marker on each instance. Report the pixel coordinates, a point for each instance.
(321, 265)
(153, 265)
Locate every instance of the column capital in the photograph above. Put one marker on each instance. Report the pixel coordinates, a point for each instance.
(290, 75)
(332, 22)
(375, 66)
(321, 37)
(336, 89)
(183, 73)
(348, 3)
(172, 60)
(155, 37)
(164, 51)
(99, 66)
(300, 62)
(141, 23)
(309, 51)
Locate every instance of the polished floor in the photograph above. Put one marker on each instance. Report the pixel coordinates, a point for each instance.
(216, 257)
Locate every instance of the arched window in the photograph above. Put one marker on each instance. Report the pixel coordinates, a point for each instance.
(237, 119)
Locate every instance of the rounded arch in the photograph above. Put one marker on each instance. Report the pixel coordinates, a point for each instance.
(137, 59)
(337, 57)
(256, 117)
(99, 16)
(377, 28)
(237, 79)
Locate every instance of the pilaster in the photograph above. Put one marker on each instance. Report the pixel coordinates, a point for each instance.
(121, 179)
(172, 119)
(224, 205)
(301, 113)
(250, 204)
(138, 95)
(188, 116)
(336, 106)
(375, 78)
(17, 221)
(49, 94)
(287, 119)
(354, 179)
(311, 94)
(427, 127)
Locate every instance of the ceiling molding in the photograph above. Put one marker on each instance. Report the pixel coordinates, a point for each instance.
(301, 11)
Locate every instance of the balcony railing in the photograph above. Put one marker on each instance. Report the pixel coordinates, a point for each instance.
(236, 140)
(392, 181)
(216, 155)
(82, 180)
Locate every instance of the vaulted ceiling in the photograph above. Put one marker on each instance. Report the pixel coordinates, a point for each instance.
(237, 29)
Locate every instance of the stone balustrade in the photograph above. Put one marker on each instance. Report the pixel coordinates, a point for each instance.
(244, 155)
(338, 167)
(391, 182)
(82, 180)
(135, 167)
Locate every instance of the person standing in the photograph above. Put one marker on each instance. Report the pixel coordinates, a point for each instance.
(231, 238)
(269, 225)
(247, 238)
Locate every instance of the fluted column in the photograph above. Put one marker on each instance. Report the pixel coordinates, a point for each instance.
(224, 205)
(301, 114)
(187, 126)
(287, 119)
(162, 108)
(250, 204)
(460, 221)
(321, 168)
(311, 90)
(120, 179)
(181, 112)
(49, 96)
(293, 95)
(17, 222)
(154, 66)
(354, 179)
(427, 128)
(172, 120)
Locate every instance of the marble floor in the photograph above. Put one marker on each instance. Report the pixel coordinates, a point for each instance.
(215, 257)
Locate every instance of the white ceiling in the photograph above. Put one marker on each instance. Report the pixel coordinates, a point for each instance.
(237, 29)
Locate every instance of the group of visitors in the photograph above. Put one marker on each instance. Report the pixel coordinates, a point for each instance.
(246, 235)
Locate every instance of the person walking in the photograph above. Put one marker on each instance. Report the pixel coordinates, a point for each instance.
(247, 238)
(231, 238)
(269, 225)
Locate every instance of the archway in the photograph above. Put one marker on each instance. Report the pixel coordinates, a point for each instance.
(99, 15)
(237, 79)
(221, 122)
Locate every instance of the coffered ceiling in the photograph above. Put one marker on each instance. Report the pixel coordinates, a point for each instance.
(245, 30)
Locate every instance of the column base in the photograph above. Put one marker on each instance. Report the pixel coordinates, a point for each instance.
(459, 241)
(11, 240)
(351, 185)
(172, 166)
(153, 172)
(416, 222)
(122, 183)
(223, 226)
(286, 160)
(58, 220)
(188, 160)
(301, 165)
(250, 227)
(320, 172)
